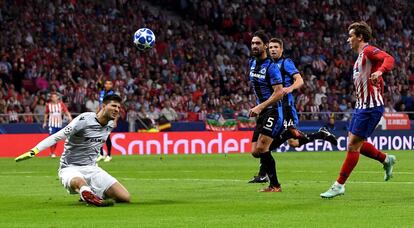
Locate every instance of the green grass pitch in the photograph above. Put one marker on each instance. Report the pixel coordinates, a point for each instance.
(212, 191)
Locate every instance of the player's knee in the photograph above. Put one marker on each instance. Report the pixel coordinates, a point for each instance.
(77, 182)
(124, 197)
(255, 154)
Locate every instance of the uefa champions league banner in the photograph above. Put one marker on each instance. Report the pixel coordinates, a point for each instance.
(169, 143)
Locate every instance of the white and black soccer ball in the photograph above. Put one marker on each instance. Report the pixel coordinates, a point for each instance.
(144, 39)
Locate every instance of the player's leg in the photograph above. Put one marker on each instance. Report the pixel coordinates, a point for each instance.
(75, 183)
(323, 134)
(109, 149)
(261, 177)
(269, 163)
(272, 124)
(360, 128)
(107, 186)
(369, 150)
(351, 160)
(119, 193)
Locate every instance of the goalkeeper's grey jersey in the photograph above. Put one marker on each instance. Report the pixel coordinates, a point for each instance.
(84, 138)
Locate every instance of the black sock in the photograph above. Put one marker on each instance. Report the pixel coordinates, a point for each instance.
(270, 166)
(109, 145)
(102, 153)
(262, 170)
(303, 141)
(315, 136)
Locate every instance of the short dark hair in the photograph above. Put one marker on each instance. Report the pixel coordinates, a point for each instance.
(276, 40)
(262, 35)
(112, 97)
(361, 28)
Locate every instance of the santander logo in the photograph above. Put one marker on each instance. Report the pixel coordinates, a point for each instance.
(181, 142)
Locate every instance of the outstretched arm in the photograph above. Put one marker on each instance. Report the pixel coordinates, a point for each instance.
(45, 143)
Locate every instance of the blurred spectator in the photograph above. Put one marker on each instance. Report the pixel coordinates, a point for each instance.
(92, 103)
(153, 114)
(168, 112)
(28, 115)
(132, 116)
(12, 112)
(39, 110)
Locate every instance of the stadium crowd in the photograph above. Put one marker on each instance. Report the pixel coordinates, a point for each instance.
(198, 65)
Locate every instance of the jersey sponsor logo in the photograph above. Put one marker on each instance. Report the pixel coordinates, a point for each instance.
(94, 139)
(257, 75)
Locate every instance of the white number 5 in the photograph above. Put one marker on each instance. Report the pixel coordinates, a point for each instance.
(269, 122)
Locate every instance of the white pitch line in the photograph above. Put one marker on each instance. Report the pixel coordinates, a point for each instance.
(235, 180)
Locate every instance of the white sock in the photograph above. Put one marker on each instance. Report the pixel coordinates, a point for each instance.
(338, 184)
(84, 188)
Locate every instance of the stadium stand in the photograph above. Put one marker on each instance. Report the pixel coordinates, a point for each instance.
(199, 62)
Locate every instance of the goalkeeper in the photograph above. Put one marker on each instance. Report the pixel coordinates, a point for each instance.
(78, 171)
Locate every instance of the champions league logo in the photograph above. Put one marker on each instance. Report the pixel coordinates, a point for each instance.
(68, 130)
(282, 148)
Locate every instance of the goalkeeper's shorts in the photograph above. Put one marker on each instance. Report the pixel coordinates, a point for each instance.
(98, 179)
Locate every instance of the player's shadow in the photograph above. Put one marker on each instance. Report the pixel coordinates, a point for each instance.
(136, 203)
(158, 202)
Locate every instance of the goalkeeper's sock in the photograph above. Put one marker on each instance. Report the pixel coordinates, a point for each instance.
(84, 188)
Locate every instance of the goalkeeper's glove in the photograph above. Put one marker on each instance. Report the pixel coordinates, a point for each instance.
(30, 154)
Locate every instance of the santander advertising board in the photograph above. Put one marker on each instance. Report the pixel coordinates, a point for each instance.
(181, 143)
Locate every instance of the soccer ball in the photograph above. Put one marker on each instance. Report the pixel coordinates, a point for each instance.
(144, 39)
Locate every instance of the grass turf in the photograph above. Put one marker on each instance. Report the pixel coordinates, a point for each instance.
(211, 191)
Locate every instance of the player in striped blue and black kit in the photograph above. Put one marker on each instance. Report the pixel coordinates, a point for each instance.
(292, 80)
(107, 90)
(267, 82)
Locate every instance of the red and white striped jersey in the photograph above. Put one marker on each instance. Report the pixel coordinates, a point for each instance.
(55, 112)
(370, 60)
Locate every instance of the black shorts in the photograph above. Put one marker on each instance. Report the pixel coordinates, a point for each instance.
(269, 123)
(291, 116)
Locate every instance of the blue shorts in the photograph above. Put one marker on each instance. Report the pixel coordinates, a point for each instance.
(364, 121)
(53, 130)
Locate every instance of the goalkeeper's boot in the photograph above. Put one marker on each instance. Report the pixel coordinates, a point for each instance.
(259, 179)
(388, 166)
(335, 190)
(272, 189)
(90, 198)
(329, 136)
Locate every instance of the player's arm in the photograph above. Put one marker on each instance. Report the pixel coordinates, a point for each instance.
(66, 111)
(291, 69)
(377, 55)
(45, 143)
(298, 82)
(69, 130)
